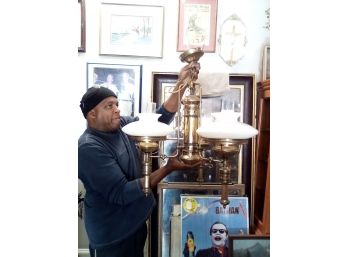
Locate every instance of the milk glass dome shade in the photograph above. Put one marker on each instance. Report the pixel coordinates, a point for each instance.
(147, 126)
(224, 125)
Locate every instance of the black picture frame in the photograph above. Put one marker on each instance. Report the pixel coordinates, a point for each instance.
(249, 245)
(161, 79)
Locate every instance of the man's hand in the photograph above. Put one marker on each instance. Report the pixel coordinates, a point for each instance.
(189, 72)
(175, 164)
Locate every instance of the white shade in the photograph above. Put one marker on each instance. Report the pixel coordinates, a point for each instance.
(225, 126)
(148, 125)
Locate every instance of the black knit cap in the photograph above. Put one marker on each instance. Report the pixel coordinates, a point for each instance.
(94, 96)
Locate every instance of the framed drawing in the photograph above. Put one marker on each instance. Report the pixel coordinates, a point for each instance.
(197, 25)
(124, 80)
(249, 245)
(232, 40)
(208, 224)
(169, 211)
(82, 15)
(131, 30)
(266, 67)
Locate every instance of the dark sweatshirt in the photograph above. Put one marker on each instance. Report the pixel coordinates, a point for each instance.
(109, 168)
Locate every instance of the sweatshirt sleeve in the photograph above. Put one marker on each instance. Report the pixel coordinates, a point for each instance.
(101, 173)
(167, 117)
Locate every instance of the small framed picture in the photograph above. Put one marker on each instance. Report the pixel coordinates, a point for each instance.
(124, 80)
(266, 67)
(82, 15)
(131, 30)
(197, 25)
(249, 245)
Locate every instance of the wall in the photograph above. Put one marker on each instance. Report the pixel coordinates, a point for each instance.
(252, 12)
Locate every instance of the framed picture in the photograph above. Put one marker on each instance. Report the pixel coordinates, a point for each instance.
(266, 68)
(124, 80)
(131, 30)
(169, 211)
(249, 245)
(82, 15)
(197, 25)
(242, 88)
(208, 224)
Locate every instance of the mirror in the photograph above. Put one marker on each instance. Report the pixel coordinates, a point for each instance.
(232, 40)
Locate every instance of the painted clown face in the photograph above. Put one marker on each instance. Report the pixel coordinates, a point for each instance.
(218, 235)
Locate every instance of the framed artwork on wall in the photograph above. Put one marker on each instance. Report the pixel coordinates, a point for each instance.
(82, 15)
(124, 80)
(197, 25)
(204, 219)
(266, 67)
(242, 88)
(131, 30)
(169, 211)
(249, 245)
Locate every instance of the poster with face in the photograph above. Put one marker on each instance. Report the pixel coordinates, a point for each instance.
(206, 224)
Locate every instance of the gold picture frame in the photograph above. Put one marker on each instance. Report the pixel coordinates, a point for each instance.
(266, 63)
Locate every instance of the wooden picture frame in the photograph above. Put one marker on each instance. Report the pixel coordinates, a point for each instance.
(82, 15)
(124, 79)
(131, 30)
(266, 63)
(249, 245)
(197, 25)
(163, 81)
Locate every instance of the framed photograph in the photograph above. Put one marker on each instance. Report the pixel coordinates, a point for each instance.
(124, 80)
(197, 25)
(249, 245)
(131, 30)
(82, 15)
(266, 67)
(169, 211)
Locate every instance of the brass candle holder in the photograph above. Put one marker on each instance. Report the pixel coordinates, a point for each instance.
(147, 145)
(224, 148)
(189, 146)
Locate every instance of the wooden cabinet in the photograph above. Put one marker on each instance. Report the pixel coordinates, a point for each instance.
(262, 165)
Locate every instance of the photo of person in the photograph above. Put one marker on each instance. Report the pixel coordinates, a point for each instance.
(219, 235)
(123, 80)
(126, 93)
(109, 83)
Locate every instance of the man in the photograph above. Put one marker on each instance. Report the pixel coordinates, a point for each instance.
(116, 209)
(219, 235)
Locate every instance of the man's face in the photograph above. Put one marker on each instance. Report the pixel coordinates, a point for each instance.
(218, 235)
(107, 115)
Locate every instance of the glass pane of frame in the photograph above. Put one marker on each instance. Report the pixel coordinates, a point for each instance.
(169, 196)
